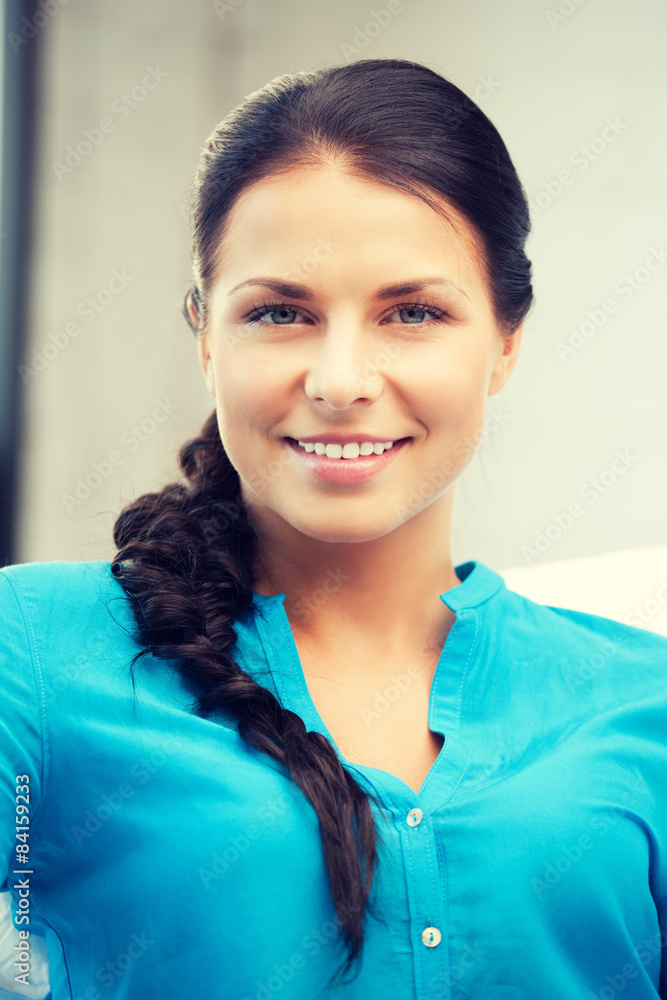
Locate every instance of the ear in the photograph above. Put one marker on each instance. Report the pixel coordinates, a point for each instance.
(206, 362)
(506, 359)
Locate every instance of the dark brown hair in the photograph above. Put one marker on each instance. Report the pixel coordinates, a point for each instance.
(186, 554)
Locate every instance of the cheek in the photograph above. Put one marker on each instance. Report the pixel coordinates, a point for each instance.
(249, 405)
(453, 410)
(453, 394)
(242, 397)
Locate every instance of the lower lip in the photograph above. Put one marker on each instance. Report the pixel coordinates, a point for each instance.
(346, 470)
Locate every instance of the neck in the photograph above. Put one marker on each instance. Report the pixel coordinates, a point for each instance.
(371, 596)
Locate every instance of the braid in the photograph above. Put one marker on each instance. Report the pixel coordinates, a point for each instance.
(185, 559)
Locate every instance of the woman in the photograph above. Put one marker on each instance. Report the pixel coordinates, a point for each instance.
(343, 761)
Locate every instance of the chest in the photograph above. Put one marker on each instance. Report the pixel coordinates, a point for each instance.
(383, 724)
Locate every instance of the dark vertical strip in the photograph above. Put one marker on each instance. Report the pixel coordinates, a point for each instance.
(21, 29)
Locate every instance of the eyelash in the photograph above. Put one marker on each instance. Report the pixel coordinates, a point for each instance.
(257, 311)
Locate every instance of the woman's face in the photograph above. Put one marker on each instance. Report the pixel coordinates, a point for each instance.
(340, 353)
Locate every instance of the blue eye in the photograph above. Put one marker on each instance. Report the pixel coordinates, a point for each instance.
(419, 307)
(405, 308)
(271, 308)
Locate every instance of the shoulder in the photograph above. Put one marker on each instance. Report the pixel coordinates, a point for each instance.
(57, 583)
(598, 598)
(44, 576)
(45, 601)
(590, 655)
(68, 635)
(577, 628)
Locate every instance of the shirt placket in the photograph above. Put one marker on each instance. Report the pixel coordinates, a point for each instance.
(421, 851)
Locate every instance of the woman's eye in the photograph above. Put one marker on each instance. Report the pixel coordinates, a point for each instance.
(413, 314)
(281, 315)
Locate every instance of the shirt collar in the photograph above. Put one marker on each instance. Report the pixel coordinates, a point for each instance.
(478, 584)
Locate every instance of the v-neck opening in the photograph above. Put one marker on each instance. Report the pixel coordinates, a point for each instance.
(477, 583)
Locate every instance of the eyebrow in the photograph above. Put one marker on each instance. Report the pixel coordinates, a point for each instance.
(296, 291)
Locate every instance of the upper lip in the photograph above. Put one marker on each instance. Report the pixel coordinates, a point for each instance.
(345, 438)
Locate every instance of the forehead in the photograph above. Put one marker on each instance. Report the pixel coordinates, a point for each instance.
(358, 226)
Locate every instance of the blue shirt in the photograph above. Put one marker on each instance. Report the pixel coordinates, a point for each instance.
(170, 859)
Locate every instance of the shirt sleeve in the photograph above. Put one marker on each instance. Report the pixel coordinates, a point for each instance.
(21, 726)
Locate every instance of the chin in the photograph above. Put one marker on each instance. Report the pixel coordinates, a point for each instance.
(335, 531)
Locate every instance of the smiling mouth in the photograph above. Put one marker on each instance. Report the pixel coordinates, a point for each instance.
(349, 458)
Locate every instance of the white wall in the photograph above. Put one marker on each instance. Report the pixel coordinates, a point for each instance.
(549, 82)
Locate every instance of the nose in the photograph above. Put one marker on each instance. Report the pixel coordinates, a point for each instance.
(343, 370)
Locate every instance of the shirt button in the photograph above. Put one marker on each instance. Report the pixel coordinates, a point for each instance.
(431, 936)
(414, 817)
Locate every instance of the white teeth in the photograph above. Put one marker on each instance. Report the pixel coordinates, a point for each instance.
(353, 449)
